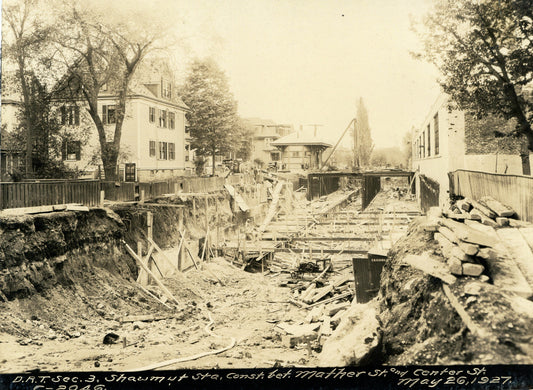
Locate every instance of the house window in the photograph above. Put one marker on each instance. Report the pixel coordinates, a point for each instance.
(71, 151)
(429, 141)
(436, 131)
(166, 89)
(171, 151)
(152, 148)
(267, 142)
(186, 158)
(171, 120)
(109, 114)
(151, 115)
(70, 115)
(162, 118)
(163, 150)
(423, 144)
(295, 154)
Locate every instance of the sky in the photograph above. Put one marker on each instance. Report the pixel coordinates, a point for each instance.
(304, 62)
(309, 61)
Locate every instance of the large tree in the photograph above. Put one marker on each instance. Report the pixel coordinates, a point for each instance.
(24, 38)
(363, 139)
(213, 116)
(99, 51)
(484, 50)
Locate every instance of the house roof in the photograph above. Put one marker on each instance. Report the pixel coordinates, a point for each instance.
(301, 139)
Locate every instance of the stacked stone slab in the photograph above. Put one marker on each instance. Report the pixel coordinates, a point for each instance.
(474, 237)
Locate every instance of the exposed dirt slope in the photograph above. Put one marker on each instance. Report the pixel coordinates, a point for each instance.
(421, 326)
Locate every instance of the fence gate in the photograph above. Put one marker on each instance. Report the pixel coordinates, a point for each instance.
(367, 272)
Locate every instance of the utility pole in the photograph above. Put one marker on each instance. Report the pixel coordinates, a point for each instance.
(355, 145)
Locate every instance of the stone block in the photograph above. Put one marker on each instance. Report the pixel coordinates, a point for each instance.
(472, 269)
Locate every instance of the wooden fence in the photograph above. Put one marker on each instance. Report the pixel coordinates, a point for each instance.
(31, 194)
(513, 190)
(87, 192)
(119, 192)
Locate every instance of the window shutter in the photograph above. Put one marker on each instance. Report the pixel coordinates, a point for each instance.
(64, 150)
(104, 114)
(63, 115)
(77, 145)
(76, 115)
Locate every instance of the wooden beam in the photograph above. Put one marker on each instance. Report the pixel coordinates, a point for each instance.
(143, 265)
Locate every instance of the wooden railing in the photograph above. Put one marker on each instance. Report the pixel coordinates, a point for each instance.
(87, 192)
(513, 190)
(31, 194)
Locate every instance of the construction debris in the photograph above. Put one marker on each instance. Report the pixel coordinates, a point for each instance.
(483, 243)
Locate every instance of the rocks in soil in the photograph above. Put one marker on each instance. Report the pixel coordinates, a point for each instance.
(111, 338)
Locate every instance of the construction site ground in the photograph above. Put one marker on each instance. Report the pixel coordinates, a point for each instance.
(63, 329)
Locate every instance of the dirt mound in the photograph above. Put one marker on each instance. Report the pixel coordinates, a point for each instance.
(420, 326)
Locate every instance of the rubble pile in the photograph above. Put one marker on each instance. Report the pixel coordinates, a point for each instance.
(482, 239)
(326, 302)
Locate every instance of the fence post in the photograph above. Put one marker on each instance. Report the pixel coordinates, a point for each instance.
(149, 224)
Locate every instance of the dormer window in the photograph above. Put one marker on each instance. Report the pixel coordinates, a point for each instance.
(166, 89)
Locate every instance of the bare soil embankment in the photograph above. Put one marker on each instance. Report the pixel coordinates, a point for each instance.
(420, 326)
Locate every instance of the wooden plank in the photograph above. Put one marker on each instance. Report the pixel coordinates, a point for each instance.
(298, 330)
(273, 207)
(333, 299)
(238, 198)
(145, 267)
(145, 318)
(352, 251)
(320, 293)
(430, 266)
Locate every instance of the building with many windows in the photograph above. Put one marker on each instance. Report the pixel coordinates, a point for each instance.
(153, 142)
(265, 131)
(451, 139)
